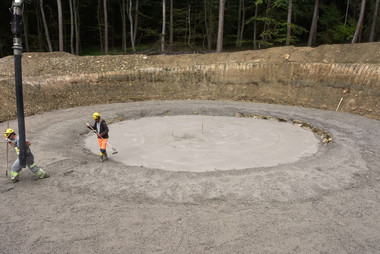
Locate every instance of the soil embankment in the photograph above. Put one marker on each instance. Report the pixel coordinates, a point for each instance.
(319, 77)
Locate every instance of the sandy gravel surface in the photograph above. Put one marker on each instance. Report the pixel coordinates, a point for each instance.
(327, 203)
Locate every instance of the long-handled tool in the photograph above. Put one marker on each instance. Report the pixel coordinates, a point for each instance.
(97, 134)
(6, 170)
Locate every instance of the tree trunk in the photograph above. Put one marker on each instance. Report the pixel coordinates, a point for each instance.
(265, 23)
(255, 27)
(136, 20)
(45, 26)
(124, 27)
(38, 17)
(77, 27)
(238, 25)
(60, 25)
(346, 16)
(71, 27)
(106, 50)
(242, 24)
(360, 22)
(313, 28)
(219, 44)
(189, 22)
(25, 23)
(208, 24)
(171, 25)
(373, 26)
(289, 21)
(112, 31)
(129, 11)
(100, 25)
(163, 26)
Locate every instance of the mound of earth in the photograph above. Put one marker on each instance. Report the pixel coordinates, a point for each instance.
(61, 63)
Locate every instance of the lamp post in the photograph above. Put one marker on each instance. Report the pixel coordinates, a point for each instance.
(16, 27)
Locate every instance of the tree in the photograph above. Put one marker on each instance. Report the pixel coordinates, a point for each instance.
(266, 21)
(106, 50)
(100, 24)
(163, 26)
(171, 24)
(189, 24)
(209, 20)
(129, 11)
(123, 26)
(37, 8)
(60, 25)
(289, 21)
(76, 26)
(360, 22)
(241, 23)
(313, 28)
(257, 3)
(136, 20)
(46, 27)
(25, 24)
(346, 16)
(373, 26)
(71, 26)
(219, 43)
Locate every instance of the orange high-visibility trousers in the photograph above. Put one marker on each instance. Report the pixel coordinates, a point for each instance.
(102, 144)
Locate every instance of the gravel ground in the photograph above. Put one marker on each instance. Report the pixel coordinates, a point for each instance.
(325, 203)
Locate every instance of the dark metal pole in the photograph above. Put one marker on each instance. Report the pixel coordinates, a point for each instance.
(16, 27)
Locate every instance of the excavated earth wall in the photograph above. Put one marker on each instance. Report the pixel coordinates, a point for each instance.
(343, 77)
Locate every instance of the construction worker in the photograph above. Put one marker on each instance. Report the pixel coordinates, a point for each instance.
(12, 139)
(100, 128)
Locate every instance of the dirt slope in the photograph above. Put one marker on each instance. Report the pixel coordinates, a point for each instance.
(57, 63)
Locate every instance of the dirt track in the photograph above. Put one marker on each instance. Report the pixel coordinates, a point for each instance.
(328, 203)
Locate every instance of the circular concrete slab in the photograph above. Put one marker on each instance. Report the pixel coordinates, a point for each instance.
(197, 143)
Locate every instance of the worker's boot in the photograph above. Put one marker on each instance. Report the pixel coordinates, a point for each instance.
(105, 156)
(41, 174)
(14, 176)
(101, 158)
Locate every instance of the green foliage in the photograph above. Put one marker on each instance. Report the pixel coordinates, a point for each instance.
(331, 25)
(282, 4)
(330, 16)
(345, 33)
(264, 44)
(277, 32)
(255, 2)
(266, 20)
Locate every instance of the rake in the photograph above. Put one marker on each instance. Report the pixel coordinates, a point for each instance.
(97, 134)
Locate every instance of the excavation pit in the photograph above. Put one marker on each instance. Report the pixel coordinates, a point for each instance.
(196, 143)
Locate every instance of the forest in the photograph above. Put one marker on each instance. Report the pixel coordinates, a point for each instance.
(95, 27)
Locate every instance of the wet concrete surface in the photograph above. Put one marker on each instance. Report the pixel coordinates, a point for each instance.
(197, 143)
